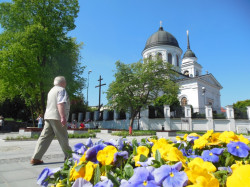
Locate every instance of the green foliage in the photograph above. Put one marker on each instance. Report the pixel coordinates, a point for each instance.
(35, 48)
(240, 109)
(138, 84)
(85, 135)
(170, 100)
(242, 104)
(135, 133)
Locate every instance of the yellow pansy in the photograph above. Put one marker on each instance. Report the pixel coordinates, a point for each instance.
(202, 181)
(106, 156)
(200, 143)
(83, 158)
(178, 138)
(236, 165)
(85, 172)
(197, 168)
(240, 177)
(152, 140)
(228, 136)
(142, 150)
(89, 170)
(185, 137)
(174, 155)
(163, 148)
(208, 134)
(214, 139)
(194, 134)
(243, 139)
(76, 174)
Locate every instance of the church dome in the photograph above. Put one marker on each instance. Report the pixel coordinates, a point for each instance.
(189, 53)
(161, 37)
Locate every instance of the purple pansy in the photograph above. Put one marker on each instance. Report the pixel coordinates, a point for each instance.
(189, 153)
(148, 162)
(45, 174)
(170, 175)
(82, 182)
(212, 155)
(79, 150)
(142, 177)
(89, 142)
(105, 183)
(92, 152)
(239, 149)
(123, 154)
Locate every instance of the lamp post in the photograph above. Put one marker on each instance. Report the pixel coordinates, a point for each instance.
(88, 89)
(203, 93)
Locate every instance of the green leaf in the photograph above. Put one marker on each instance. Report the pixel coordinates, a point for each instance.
(113, 179)
(158, 155)
(134, 151)
(97, 174)
(129, 171)
(77, 168)
(143, 158)
(229, 160)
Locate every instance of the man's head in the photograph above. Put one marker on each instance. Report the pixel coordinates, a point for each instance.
(60, 81)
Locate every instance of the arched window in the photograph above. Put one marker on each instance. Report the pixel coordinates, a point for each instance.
(184, 101)
(177, 60)
(170, 58)
(150, 57)
(186, 73)
(159, 56)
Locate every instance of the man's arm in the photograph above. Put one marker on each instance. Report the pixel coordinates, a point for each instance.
(61, 110)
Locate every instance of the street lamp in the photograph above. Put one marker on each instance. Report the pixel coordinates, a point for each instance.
(88, 89)
(203, 93)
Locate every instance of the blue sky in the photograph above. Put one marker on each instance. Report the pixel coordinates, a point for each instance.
(118, 30)
(114, 30)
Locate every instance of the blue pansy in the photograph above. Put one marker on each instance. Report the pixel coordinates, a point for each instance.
(239, 149)
(147, 162)
(45, 174)
(92, 152)
(89, 142)
(79, 150)
(123, 154)
(82, 182)
(189, 153)
(170, 176)
(105, 183)
(212, 155)
(142, 177)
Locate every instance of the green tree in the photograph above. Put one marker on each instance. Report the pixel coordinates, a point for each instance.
(240, 109)
(35, 48)
(170, 99)
(137, 85)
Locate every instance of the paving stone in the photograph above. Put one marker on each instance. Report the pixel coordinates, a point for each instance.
(23, 183)
(18, 175)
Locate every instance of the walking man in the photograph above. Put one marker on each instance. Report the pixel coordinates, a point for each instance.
(56, 116)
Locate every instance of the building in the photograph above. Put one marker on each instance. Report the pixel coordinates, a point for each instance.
(196, 89)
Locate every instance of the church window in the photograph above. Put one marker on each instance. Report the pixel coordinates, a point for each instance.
(186, 73)
(150, 57)
(159, 56)
(197, 73)
(170, 58)
(184, 101)
(177, 60)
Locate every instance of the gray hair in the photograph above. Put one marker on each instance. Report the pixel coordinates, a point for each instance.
(58, 80)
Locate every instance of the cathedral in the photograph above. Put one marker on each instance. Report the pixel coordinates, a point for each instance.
(195, 88)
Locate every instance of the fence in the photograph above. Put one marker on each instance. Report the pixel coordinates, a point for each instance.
(240, 113)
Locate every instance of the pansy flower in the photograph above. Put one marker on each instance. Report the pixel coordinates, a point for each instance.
(240, 177)
(81, 182)
(79, 149)
(212, 155)
(45, 174)
(106, 156)
(170, 175)
(105, 183)
(92, 152)
(239, 149)
(142, 177)
(89, 142)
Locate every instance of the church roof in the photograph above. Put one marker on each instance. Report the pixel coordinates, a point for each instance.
(189, 52)
(161, 37)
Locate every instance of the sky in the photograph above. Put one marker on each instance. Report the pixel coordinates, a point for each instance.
(219, 32)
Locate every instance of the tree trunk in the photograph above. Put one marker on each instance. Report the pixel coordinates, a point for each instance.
(131, 125)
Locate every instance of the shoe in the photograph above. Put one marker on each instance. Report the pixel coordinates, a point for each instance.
(36, 162)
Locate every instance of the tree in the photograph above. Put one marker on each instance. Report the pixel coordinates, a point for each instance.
(170, 99)
(137, 85)
(35, 48)
(240, 109)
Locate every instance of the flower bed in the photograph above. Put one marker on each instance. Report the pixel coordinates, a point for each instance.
(209, 160)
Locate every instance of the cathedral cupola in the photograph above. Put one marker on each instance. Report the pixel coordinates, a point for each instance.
(189, 52)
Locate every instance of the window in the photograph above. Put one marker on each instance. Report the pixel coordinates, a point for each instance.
(197, 73)
(184, 101)
(159, 56)
(150, 57)
(177, 61)
(186, 73)
(170, 58)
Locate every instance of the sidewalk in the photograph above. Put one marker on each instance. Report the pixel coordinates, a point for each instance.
(15, 169)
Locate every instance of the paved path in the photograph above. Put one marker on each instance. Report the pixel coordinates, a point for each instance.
(15, 169)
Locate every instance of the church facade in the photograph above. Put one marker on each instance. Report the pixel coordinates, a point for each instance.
(196, 89)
